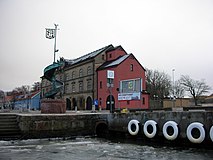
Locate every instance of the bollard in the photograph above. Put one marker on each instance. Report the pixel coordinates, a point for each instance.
(93, 108)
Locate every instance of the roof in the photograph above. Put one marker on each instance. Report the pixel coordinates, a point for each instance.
(117, 48)
(117, 61)
(89, 55)
(27, 96)
(9, 98)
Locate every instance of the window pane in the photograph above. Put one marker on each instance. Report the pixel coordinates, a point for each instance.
(80, 72)
(130, 86)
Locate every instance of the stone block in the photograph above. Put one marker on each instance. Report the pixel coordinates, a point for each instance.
(49, 106)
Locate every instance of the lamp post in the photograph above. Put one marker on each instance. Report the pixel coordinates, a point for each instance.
(50, 34)
(110, 77)
(55, 50)
(173, 87)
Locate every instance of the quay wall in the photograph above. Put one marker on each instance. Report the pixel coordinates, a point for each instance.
(110, 125)
(119, 123)
(58, 125)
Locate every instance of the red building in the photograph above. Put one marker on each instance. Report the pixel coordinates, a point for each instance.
(128, 88)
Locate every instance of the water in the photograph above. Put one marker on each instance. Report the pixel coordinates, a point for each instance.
(93, 149)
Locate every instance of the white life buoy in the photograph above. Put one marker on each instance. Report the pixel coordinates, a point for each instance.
(211, 133)
(189, 135)
(154, 128)
(175, 128)
(136, 123)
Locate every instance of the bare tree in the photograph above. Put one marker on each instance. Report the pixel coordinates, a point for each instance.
(2, 94)
(194, 87)
(179, 90)
(158, 85)
(36, 86)
(22, 90)
(2, 99)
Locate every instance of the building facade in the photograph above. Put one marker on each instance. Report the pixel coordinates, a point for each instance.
(127, 87)
(30, 101)
(81, 77)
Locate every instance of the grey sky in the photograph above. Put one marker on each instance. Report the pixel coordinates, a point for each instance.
(162, 34)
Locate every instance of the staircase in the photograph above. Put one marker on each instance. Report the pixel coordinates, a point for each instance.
(9, 129)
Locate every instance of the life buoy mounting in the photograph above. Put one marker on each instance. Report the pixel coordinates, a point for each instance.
(154, 128)
(175, 130)
(189, 135)
(136, 123)
(211, 133)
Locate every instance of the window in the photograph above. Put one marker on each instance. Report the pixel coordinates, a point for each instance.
(73, 87)
(89, 84)
(103, 57)
(89, 70)
(100, 101)
(127, 102)
(131, 86)
(66, 87)
(131, 67)
(81, 72)
(100, 84)
(73, 74)
(110, 55)
(80, 86)
(143, 100)
(66, 76)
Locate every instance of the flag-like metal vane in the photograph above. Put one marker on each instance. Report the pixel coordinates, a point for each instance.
(50, 34)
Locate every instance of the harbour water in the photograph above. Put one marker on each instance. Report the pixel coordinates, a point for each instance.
(94, 149)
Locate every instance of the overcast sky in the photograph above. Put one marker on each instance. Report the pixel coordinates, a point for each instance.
(162, 34)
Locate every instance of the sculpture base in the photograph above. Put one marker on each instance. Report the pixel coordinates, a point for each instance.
(53, 106)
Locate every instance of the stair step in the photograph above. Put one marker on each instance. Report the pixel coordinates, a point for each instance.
(9, 131)
(5, 127)
(11, 137)
(2, 129)
(7, 116)
(9, 128)
(8, 120)
(8, 123)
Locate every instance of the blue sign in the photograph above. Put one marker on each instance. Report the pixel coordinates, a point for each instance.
(96, 102)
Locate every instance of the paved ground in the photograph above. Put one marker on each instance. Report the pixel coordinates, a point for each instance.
(7, 111)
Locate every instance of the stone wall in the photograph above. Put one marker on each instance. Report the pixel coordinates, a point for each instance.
(58, 125)
(119, 123)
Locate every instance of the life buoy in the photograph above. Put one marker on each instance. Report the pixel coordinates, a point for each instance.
(136, 123)
(175, 128)
(189, 135)
(211, 133)
(154, 128)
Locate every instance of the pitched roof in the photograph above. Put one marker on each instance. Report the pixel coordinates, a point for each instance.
(89, 55)
(117, 48)
(27, 96)
(118, 61)
(113, 63)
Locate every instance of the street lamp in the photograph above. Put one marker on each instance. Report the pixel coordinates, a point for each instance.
(173, 86)
(110, 78)
(50, 34)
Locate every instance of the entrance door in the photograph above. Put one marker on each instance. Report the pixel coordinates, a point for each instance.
(81, 103)
(68, 103)
(74, 103)
(112, 102)
(89, 103)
